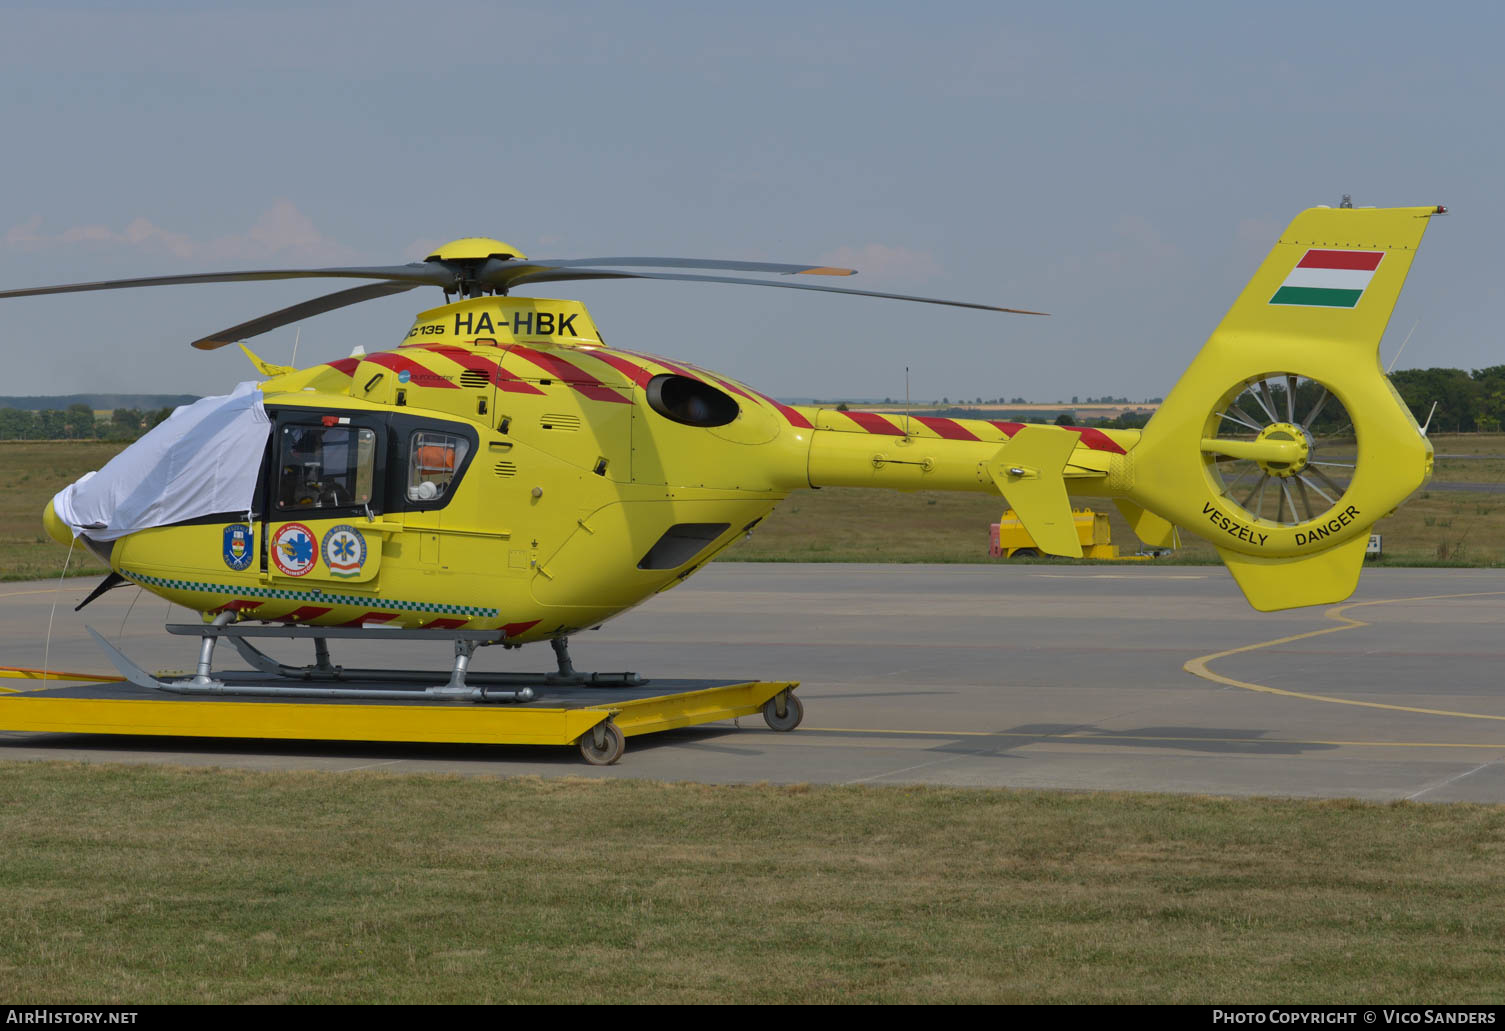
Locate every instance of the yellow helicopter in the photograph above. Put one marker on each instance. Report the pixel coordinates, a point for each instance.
(502, 475)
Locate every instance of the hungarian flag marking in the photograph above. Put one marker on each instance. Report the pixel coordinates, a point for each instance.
(1329, 279)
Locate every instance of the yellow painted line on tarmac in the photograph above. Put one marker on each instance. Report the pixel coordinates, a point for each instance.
(27, 673)
(1098, 736)
(1198, 666)
(1117, 576)
(18, 594)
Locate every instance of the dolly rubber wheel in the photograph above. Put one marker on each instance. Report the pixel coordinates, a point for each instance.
(603, 744)
(794, 711)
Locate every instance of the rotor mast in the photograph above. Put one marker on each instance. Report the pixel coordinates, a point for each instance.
(469, 258)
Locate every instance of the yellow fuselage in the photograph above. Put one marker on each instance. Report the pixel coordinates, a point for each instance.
(576, 497)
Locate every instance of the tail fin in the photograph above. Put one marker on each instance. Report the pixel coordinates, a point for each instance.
(1236, 453)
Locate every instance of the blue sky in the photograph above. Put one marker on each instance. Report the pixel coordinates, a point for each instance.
(1122, 166)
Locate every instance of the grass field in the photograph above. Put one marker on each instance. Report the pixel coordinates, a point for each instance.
(848, 525)
(149, 884)
(32, 473)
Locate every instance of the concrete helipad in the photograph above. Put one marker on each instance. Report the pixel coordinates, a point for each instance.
(1023, 676)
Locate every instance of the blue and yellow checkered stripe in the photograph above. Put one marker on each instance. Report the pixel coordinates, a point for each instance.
(322, 597)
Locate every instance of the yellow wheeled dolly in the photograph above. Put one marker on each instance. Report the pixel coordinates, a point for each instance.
(598, 725)
(324, 702)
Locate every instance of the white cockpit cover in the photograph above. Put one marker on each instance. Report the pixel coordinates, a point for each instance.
(202, 459)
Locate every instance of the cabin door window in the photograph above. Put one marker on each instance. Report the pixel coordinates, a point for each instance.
(325, 467)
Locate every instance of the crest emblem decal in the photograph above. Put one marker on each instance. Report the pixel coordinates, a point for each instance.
(238, 546)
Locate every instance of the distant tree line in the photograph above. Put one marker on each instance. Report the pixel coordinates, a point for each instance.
(78, 422)
(1467, 402)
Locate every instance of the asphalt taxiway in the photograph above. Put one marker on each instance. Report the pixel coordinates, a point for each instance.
(1136, 678)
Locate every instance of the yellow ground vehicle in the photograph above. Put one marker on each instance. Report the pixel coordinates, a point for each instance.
(1008, 537)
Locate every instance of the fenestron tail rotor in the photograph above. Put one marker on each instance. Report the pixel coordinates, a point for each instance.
(476, 266)
(1283, 449)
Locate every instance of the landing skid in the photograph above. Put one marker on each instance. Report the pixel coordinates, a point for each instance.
(323, 679)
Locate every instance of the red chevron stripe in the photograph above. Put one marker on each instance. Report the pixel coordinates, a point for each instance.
(499, 377)
(304, 614)
(874, 423)
(345, 365)
(572, 375)
(696, 372)
(445, 624)
(422, 376)
(371, 617)
(238, 605)
(794, 418)
(1092, 438)
(728, 384)
(950, 429)
(632, 370)
(1096, 439)
(513, 629)
(679, 370)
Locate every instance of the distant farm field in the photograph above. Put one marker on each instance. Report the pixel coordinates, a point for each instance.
(1439, 526)
(33, 471)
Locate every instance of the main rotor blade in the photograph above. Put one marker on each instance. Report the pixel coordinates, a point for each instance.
(705, 263)
(558, 275)
(299, 312)
(417, 274)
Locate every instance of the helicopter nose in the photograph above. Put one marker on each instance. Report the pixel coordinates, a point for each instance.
(55, 526)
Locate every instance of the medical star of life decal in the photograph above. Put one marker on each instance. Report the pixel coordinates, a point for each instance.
(293, 547)
(344, 551)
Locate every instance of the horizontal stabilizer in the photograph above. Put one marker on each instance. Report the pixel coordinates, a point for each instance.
(1029, 472)
(1325, 578)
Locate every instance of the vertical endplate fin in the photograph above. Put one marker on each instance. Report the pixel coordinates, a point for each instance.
(1325, 578)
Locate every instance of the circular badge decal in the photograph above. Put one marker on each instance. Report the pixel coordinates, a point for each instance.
(344, 551)
(238, 547)
(293, 547)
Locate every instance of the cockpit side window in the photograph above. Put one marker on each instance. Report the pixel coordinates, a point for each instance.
(434, 458)
(324, 467)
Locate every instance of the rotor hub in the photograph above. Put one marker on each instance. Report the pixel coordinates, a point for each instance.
(476, 248)
(1295, 449)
